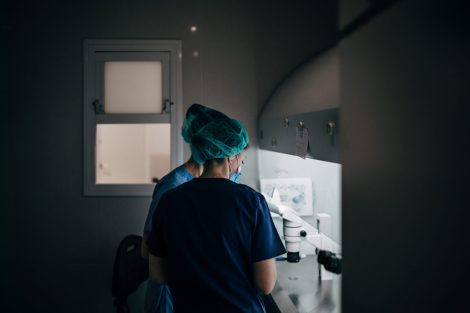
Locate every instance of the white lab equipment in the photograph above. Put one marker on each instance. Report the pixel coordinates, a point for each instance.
(295, 228)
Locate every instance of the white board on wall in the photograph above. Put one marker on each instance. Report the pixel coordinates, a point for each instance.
(295, 193)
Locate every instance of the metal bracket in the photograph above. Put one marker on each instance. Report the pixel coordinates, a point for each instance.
(330, 128)
(98, 107)
(286, 122)
(166, 108)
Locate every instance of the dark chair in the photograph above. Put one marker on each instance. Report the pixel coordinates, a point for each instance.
(130, 270)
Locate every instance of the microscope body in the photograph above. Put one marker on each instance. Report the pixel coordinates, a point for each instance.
(295, 228)
(294, 232)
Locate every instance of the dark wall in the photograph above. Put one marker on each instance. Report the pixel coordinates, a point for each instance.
(67, 242)
(7, 256)
(405, 118)
(289, 34)
(64, 242)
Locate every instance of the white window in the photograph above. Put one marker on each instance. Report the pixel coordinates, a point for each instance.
(132, 115)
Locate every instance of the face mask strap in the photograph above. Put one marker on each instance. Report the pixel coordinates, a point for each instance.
(229, 167)
(237, 173)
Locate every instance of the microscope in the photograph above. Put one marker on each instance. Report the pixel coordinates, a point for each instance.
(295, 229)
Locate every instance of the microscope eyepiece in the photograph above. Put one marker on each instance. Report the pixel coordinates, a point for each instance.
(330, 261)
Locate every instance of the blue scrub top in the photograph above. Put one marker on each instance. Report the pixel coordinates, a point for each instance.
(211, 231)
(158, 297)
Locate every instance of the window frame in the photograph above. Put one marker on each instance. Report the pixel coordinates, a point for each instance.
(96, 52)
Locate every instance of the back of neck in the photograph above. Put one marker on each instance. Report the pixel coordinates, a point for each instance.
(193, 168)
(215, 170)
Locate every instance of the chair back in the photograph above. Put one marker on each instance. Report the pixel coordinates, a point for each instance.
(130, 270)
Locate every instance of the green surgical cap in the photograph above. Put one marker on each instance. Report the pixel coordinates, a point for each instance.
(220, 138)
(197, 116)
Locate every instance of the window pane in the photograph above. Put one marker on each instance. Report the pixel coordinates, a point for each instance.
(133, 87)
(132, 153)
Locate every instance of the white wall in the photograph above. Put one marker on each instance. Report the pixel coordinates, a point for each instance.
(326, 180)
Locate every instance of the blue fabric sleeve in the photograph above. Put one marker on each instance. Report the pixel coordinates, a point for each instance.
(160, 189)
(175, 178)
(266, 241)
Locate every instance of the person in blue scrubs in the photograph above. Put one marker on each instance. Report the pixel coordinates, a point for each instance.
(213, 240)
(158, 297)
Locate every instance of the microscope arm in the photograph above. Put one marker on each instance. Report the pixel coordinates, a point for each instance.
(310, 233)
